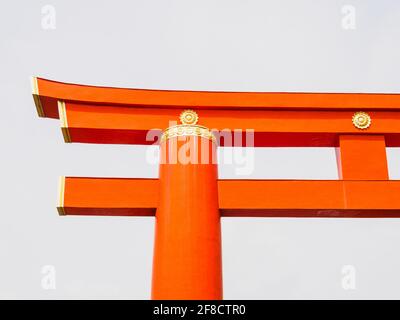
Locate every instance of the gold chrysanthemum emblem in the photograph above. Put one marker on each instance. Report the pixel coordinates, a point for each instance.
(189, 117)
(188, 127)
(361, 120)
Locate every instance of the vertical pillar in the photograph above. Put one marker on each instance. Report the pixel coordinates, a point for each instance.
(362, 157)
(187, 250)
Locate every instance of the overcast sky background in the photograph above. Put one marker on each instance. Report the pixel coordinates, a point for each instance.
(195, 45)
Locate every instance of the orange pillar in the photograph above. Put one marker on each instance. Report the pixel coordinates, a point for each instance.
(187, 250)
(362, 157)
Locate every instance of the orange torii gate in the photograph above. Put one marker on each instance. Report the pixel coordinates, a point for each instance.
(188, 199)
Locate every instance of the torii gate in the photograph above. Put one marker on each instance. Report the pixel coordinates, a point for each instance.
(188, 199)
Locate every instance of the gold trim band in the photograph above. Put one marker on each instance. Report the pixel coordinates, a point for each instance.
(183, 130)
(61, 193)
(64, 122)
(36, 97)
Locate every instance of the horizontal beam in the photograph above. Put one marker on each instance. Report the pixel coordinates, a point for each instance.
(272, 128)
(258, 198)
(107, 196)
(46, 94)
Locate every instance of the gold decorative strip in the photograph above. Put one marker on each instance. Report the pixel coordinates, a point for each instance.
(64, 122)
(183, 130)
(36, 97)
(188, 127)
(61, 190)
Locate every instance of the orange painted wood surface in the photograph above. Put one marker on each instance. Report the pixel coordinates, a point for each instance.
(187, 247)
(49, 92)
(123, 125)
(258, 198)
(109, 196)
(362, 157)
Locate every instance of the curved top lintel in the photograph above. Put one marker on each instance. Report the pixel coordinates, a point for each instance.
(46, 93)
